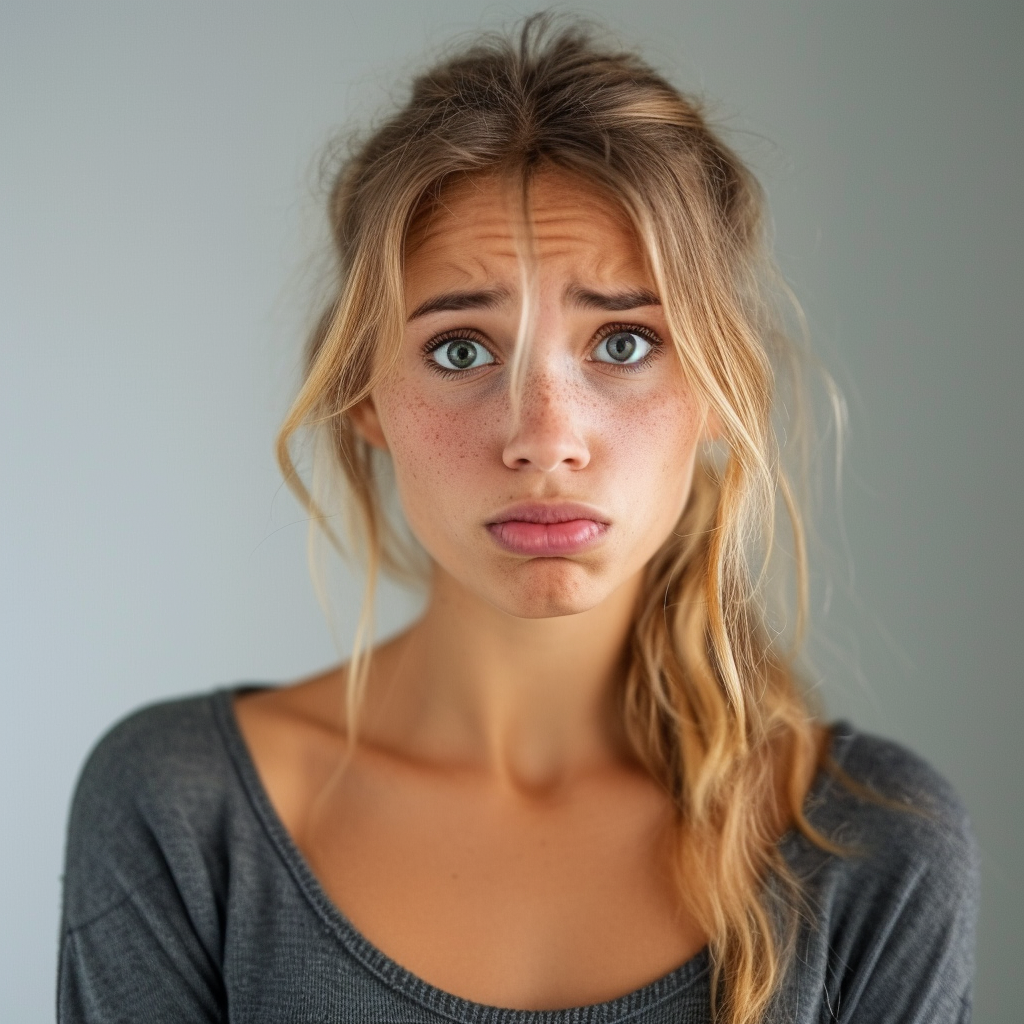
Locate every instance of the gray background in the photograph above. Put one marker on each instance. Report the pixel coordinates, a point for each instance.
(158, 229)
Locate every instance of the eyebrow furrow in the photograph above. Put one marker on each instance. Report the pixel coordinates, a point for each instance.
(486, 298)
(612, 302)
(489, 298)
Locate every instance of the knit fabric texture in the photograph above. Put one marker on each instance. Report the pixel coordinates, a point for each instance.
(185, 900)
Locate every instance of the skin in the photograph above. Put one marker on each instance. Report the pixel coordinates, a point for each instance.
(493, 833)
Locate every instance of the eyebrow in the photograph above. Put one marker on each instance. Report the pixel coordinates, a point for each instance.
(485, 298)
(612, 302)
(490, 298)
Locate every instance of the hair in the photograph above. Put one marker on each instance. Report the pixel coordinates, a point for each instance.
(711, 701)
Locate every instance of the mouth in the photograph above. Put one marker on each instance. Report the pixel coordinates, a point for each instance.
(537, 530)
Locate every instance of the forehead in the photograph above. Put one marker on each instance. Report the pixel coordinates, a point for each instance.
(477, 231)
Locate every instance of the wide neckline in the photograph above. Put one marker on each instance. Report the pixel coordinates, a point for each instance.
(388, 970)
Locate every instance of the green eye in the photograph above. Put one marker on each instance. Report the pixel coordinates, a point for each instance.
(461, 354)
(622, 347)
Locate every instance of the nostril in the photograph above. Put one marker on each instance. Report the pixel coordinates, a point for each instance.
(547, 430)
(546, 451)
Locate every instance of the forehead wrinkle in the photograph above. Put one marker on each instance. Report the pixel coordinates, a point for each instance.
(465, 233)
(626, 265)
(487, 221)
(474, 270)
(476, 204)
(456, 210)
(576, 234)
(473, 241)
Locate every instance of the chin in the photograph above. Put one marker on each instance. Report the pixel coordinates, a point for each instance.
(549, 588)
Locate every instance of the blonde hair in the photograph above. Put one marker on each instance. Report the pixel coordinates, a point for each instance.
(710, 701)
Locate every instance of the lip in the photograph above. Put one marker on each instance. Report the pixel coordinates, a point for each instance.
(536, 529)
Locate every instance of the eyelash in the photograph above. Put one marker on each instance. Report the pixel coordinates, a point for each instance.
(605, 332)
(646, 333)
(450, 335)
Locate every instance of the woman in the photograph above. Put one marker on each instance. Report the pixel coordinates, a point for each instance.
(585, 785)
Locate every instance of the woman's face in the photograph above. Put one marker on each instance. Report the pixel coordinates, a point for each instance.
(549, 509)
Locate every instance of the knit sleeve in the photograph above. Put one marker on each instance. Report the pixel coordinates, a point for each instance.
(903, 944)
(141, 935)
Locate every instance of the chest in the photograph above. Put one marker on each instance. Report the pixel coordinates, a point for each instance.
(501, 898)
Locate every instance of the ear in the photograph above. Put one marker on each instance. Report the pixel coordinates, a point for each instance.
(367, 423)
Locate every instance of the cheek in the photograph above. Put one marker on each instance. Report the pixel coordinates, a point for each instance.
(653, 473)
(438, 452)
(654, 443)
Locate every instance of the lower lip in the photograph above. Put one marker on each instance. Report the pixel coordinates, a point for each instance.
(539, 539)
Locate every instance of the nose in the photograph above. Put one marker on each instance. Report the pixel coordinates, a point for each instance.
(548, 432)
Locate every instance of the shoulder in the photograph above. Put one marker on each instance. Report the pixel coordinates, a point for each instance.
(895, 905)
(162, 751)
(160, 829)
(151, 791)
(890, 801)
(156, 737)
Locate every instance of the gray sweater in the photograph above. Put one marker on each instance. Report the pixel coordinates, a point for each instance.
(185, 900)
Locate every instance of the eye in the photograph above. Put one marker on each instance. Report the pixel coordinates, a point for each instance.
(461, 354)
(622, 347)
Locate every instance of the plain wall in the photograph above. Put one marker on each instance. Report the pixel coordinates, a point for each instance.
(158, 221)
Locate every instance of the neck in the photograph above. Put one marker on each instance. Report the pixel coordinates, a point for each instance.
(529, 700)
